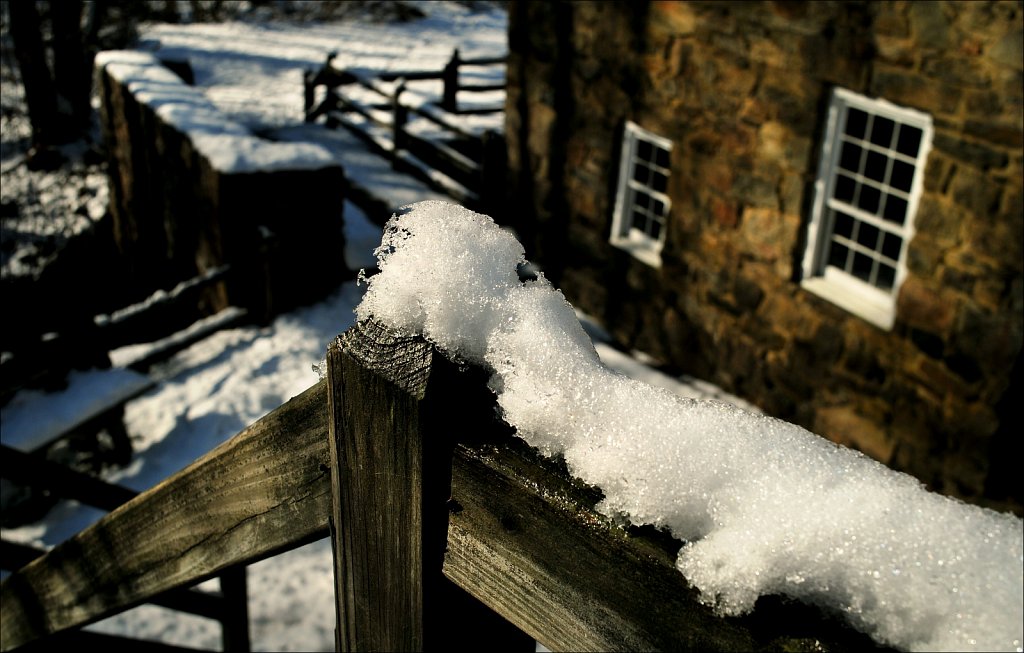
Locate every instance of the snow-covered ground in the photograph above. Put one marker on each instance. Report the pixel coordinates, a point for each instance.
(205, 394)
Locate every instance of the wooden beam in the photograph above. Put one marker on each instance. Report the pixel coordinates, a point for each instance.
(482, 88)
(390, 487)
(485, 61)
(525, 539)
(397, 407)
(193, 601)
(262, 492)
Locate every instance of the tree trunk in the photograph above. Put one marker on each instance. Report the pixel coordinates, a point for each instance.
(72, 69)
(57, 98)
(40, 94)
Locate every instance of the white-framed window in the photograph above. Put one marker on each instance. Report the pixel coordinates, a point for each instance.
(865, 196)
(641, 203)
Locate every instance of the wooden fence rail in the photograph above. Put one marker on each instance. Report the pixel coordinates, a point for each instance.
(465, 165)
(229, 607)
(398, 454)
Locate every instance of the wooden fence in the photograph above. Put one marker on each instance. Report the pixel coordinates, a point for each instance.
(38, 482)
(467, 166)
(398, 456)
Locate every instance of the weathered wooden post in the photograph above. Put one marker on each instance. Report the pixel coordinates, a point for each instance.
(235, 622)
(390, 480)
(450, 75)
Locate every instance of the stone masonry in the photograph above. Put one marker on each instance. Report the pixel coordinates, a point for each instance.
(741, 90)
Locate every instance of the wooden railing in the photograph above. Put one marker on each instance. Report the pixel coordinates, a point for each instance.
(465, 165)
(399, 456)
(229, 607)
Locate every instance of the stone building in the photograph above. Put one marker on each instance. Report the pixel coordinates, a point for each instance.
(816, 205)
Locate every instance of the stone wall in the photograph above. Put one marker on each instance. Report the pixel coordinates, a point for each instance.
(740, 88)
(191, 190)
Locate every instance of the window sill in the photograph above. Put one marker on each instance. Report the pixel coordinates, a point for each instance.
(852, 295)
(642, 248)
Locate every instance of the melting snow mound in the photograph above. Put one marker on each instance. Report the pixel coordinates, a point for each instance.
(764, 506)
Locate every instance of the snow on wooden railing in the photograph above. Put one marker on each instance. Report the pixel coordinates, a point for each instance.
(427, 481)
(401, 454)
(467, 166)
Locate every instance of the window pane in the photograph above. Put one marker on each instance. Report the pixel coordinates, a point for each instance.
(874, 168)
(902, 176)
(891, 245)
(843, 226)
(867, 236)
(639, 220)
(658, 208)
(856, 123)
(641, 173)
(885, 277)
(869, 199)
(837, 255)
(909, 140)
(895, 209)
(654, 229)
(843, 190)
(661, 157)
(643, 150)
(659, 182)
(642, 200)
(881, 131)
(849, 159)
(862, 266)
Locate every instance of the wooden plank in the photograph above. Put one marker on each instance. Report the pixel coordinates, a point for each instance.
(479, 111)
(264, 491)
(524, 538)
(390, 491)
(14, 556)
(429, 112)
(142, 357)
(366, 111)
(484, 61)
(455, 160)
(410, 76)
(481, 88)
(392, 405)
(148, 319)
(436, 179)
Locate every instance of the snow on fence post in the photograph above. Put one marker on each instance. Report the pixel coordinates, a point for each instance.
(431, 493)
(390, 489)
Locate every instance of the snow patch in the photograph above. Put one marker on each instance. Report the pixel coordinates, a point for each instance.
(228, 145)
